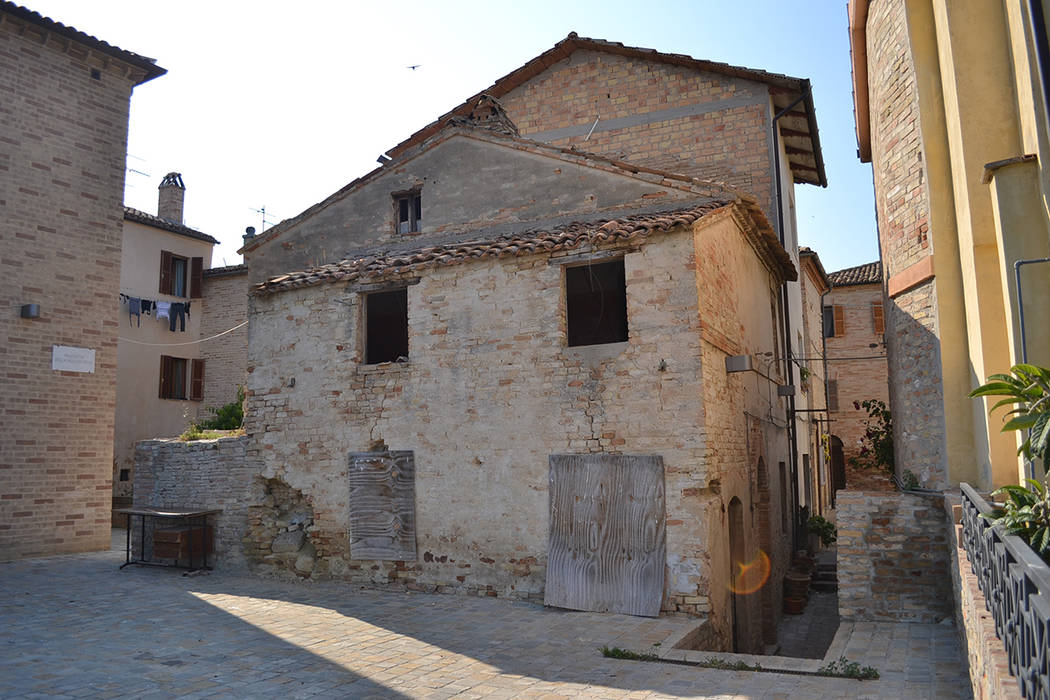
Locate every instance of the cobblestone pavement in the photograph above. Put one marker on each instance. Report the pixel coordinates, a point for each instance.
(76, 626)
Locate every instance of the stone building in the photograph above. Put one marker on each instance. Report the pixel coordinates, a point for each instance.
(854, 328)
(63, 145)
(813, 372)
(951, 112)
(526, 326)
(161, 380)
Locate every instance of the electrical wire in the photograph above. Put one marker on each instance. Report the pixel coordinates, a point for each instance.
(191, 342)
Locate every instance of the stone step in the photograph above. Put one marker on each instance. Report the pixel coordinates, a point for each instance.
(824, 586)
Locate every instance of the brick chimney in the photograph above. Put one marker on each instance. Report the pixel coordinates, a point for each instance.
(172, 194)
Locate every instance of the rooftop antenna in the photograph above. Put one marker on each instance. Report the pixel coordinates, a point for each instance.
(264, 221)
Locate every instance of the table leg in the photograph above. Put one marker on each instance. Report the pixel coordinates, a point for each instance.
(127, 540)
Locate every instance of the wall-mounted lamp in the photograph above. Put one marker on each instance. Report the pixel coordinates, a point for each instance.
(30, 310)
(738, 363)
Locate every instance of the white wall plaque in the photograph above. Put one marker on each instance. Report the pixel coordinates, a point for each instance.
(70, 359)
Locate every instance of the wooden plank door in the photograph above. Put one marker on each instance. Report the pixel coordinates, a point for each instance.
(607, 541)
(383, 505)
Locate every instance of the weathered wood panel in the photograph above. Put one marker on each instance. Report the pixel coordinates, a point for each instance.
(607, 533)
(383, 505)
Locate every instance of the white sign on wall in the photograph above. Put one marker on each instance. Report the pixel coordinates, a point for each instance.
(70, 359)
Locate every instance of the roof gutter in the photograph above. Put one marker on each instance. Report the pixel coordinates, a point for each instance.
(858, 51)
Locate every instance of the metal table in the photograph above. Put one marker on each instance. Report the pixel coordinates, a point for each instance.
(196, 517)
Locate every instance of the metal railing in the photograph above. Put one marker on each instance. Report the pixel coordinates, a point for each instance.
(1016, 587)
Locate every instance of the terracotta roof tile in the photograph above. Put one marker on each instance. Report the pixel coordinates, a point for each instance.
(374, 267)
(150, 220)
(869, 273)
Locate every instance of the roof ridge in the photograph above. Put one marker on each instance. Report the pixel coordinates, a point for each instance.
(148, 219)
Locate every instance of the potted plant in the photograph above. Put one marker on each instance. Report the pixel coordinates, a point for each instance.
(1026, 510)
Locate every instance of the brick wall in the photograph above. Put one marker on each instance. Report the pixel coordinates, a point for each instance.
(210, 474)
(728, 144)
(902, 204)
(856, 380)
(224, 305)
(988, 662)
(893, 558)
(62, 151)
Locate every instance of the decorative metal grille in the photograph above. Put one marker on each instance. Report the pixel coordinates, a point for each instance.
(1016, 587)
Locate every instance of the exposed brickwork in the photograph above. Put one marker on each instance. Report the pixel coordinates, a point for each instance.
(988, 662)
(902, 204)
(593, 85)
(861, 379)
(893, 559)
(62, 151)
(224, 306)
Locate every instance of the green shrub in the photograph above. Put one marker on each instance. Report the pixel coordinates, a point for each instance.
(876, 451)
(818, 525)
(227, 417)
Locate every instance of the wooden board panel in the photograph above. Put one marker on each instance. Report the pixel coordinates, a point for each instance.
(383, 505)
(607, 548)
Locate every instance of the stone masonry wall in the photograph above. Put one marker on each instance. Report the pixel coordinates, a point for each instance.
(224, 305)
(206, 474)
(857, 379)
(893, 559)
(62, 151)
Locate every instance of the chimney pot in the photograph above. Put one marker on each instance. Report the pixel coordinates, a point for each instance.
(172, 194)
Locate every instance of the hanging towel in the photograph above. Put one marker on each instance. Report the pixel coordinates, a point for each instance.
(163, 308)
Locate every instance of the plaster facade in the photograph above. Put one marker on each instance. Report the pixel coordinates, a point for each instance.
(141, 413)
(66, 97)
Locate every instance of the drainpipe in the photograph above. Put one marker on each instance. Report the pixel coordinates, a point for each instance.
(1020, 302)
(827, 405)
(1029, 467)
(786, 319)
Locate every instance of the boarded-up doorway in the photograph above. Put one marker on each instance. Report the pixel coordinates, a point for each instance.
(382, 505)
(607, 533)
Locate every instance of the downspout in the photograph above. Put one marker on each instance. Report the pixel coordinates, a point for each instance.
(1029, 467)
(827, 404)
(786, 310)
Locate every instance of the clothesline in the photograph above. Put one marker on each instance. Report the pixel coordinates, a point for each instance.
(192, 342)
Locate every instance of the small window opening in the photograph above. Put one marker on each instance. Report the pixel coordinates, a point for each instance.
(409, 212)
(386, 326)
(125, 475)
(596, 303)
(96, 74)
(829, 322)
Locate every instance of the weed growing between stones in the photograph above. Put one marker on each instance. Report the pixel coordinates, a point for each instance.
(844, 668)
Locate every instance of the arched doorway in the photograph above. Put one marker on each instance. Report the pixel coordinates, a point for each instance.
(838, 465)
(737, 559)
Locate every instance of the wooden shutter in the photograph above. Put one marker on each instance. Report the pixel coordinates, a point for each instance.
(196, 277)
(166, 371)
(197, 380)
(383, 505)
(840, 321)
(833, 395)
(877, 319)
(165, 272)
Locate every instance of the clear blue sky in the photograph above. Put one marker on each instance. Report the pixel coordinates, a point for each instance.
(280, 104)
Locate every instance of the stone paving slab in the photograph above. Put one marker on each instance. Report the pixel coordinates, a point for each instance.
(76, 626)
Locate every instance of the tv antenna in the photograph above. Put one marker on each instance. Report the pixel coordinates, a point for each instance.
(264, 220)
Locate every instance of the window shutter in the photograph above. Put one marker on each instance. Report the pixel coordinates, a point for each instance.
(197, 380)
(165, 272)
(833, 395)
(165, 377)
(840, 321)
(196, 277)
(877, 319)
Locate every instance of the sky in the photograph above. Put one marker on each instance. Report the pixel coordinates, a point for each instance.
(274, 106)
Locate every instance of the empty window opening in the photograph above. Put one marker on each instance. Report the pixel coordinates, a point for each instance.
(409, 212)
(125, 475)
(596, 303)
(386, 326)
